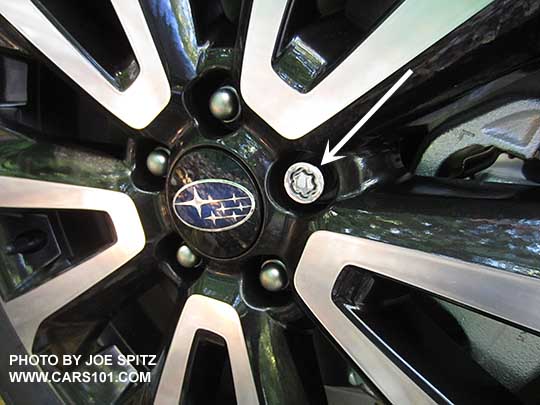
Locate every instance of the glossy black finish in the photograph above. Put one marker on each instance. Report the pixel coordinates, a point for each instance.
(215, 164)
(42, 244)
(499, 229)
(11, 345)
(173, 27)
(278, 223)
(492, 56)
(494, 42)
(415, 326)
(11, 39)
(284, 369)
(117, 60)
(317, 36)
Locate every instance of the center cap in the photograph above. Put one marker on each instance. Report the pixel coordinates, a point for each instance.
(214, 202)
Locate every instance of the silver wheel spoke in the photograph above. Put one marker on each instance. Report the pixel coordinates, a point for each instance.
(33, 176)
(30, 309)
(474, 286)
(142, 101)
(391, 46)
(203, 313)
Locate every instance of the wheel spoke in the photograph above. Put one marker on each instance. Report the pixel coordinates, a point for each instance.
(468, 284)
(34, 176)
(315, 278)
(178, 36)
(184, 249)
(204, 313)
(21, 157)
(265, 92)
(141, 101)
(448, 239)
(272, 362)
(261, 358)
(30, 309)
(465, 283)
(488, 227)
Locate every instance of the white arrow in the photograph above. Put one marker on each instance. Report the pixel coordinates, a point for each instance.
(330, 155)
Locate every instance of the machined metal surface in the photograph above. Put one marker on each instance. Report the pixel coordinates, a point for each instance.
(141, 102)
(314, 279)
(204, 313)
(294, 114)
(499, 234)
(514, 128)
(304, 182)
(27, 311)
(472, 285)
(369, 202)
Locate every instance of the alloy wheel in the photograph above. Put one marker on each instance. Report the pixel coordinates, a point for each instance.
(165, 195)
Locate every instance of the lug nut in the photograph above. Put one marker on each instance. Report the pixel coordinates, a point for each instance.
(157, 162)
(273, 276)
(224, 104)
(304, 182)
(186, 257)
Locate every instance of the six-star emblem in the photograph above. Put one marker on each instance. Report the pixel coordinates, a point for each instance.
(213, 205)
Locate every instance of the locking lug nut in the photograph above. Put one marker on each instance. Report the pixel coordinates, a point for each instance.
(304, 182)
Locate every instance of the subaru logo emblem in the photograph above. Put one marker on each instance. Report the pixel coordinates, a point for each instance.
(213, 205)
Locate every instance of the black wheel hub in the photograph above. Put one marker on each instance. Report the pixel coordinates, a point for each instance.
(249, 154)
